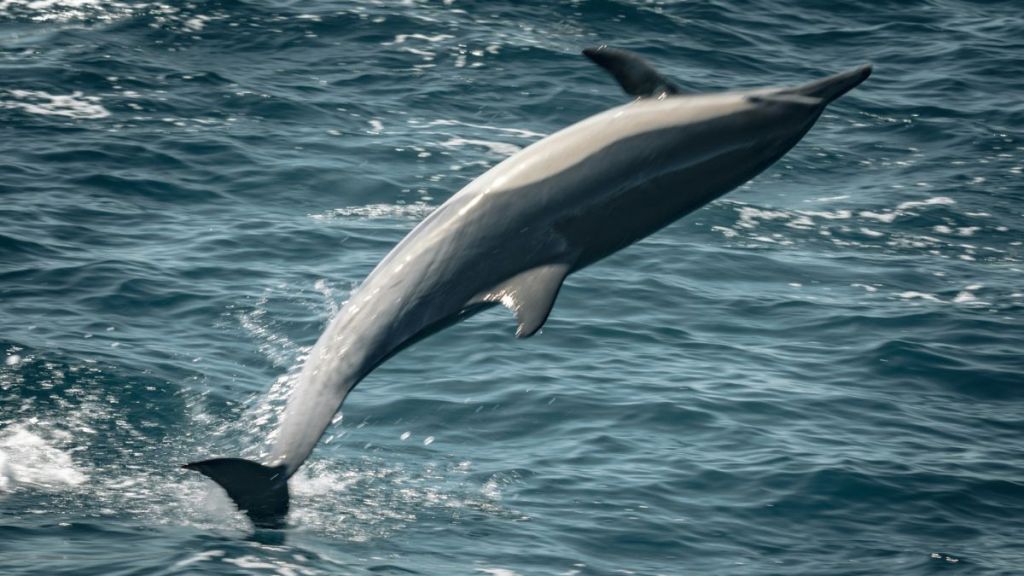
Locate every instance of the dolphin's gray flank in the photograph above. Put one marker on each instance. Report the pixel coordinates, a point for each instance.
(511, 236)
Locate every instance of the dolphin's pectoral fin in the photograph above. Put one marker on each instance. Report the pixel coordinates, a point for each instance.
(259, 491)
(633, 73)
(529, 295)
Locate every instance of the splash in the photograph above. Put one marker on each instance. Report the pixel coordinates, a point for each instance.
(64, 10)
(75, 105)
(28, 459)
(415, 211)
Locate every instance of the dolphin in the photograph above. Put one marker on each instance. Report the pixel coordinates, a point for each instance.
(511, 237)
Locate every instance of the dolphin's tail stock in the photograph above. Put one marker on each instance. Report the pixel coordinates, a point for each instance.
(259, 491)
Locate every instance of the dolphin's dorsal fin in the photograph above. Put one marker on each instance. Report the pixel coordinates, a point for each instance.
(529, 295)
(633, 73)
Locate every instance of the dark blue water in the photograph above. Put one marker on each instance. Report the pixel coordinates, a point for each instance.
(820, 373)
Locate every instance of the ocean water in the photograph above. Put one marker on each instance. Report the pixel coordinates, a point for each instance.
(820, 373)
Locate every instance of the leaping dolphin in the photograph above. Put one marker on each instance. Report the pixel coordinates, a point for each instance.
(511, 236)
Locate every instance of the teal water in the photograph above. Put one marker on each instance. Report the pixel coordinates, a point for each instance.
(820, 373)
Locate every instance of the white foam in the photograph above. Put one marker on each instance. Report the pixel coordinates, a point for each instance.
(520, 132)
(28, 459)
(64, 10)
(200, 557)
(250, 562)
(911, 295)
(500, 148)
(196, 23)
(373, 211)
(43, 5)
(801, 222)
(749, 216)
(964, 297)
(6, 472)
(829, 214)
(402, 38)
(321, 482)
(727, 232)
(967, 296)
(884, 217)
(938, 200)
(47, 4)
(75, 105)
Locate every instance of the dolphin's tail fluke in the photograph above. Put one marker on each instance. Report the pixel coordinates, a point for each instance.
(259, 491)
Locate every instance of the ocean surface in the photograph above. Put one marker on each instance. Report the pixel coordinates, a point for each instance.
(820, 373)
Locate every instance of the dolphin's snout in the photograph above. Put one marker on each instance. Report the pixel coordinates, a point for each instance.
(828, 89)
